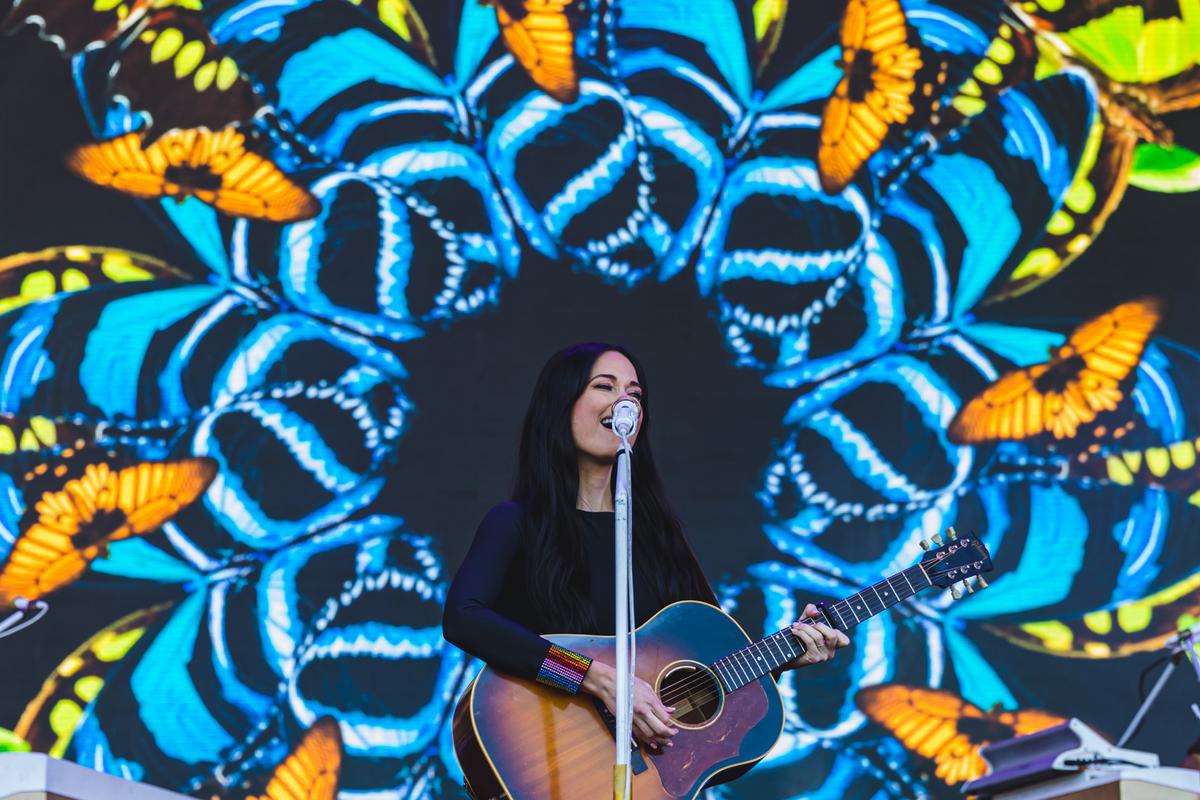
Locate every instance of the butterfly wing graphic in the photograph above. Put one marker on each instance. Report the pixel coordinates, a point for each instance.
(220, 169)
(946, 729)
(877, 93)
(541, 36)
(311, 770)
(1082, 379)
(83, 501)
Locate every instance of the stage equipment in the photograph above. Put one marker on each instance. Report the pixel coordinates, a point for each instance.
(1125, 783)
(36, 776)
(1073, 761)
(1178, 646)
(518, 738)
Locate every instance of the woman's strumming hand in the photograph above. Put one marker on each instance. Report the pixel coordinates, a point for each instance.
(652, 723)
(820, 641)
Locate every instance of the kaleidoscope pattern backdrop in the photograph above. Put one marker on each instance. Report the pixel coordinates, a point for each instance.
(276, 278)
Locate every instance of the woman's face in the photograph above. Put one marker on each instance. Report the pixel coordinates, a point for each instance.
(613, 378)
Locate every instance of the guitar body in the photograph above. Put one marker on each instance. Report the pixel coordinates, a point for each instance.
(517, 738)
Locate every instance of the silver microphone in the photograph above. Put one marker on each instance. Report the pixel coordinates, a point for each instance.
(625, 417)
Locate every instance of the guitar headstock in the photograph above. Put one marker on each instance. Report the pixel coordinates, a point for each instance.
(949, 562)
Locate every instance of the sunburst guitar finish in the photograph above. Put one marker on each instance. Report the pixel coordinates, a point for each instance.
(517, 738)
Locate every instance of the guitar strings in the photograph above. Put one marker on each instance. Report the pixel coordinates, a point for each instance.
(684, 688)
(705, 676)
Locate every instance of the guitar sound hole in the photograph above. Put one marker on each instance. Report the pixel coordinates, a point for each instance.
(693, 691)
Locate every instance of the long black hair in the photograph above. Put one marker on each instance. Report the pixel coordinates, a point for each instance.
(547, 486)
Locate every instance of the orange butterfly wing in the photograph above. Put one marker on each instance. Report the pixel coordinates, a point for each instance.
(876, 92)
(1082, 379)
(539, 35)
(216, 168)
(926, 722)
(74, 523)
(311, 770)
(945, 728)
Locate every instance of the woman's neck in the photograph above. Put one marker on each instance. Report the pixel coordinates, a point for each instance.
(595, 487)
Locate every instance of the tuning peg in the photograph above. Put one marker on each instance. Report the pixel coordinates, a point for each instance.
(924, 544)
(951, 534)
(970, 589)
(955, 592)
(937, 540)
(980, 583)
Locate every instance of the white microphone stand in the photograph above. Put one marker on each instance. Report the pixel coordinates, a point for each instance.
(626, 646)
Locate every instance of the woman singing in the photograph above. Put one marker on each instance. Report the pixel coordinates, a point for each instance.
(544, 560)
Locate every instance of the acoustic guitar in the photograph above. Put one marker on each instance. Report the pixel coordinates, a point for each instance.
(518, 739)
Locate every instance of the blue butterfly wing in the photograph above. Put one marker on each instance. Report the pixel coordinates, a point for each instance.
(100, 353)
(417, 238)
(413, 229)
(803, 286)
(712, 35)
(361, 606)
(865, 469)
(687, 110)
(151, 722)
(315, 57)
(801, 283)
(964, 217)
(288, 406)
(304, 423)
(269, 647)
(578, 178)
(583, 181)
(685, 117)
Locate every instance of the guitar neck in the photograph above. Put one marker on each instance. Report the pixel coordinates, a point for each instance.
(768, 654)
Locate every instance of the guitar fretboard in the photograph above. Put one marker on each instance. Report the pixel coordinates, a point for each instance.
(766, 655)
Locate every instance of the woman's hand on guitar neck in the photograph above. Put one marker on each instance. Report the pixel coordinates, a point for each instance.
(820, 641)
(651, 719)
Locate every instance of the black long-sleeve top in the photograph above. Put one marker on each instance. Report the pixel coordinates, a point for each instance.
(489, 611)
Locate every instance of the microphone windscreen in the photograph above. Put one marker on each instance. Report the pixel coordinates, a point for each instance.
(625, 417)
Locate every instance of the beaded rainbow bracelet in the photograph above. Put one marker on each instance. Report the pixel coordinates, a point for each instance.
(564, 669)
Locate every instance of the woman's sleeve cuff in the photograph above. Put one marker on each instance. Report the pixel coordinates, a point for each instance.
(563, 669)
